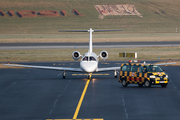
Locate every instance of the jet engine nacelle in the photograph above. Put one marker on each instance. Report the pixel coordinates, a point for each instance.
(104, 55)
(76, 55)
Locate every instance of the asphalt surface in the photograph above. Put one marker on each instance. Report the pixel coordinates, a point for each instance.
(86, 45)
(43, 94)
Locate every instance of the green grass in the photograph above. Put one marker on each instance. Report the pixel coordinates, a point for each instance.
(149, 53)
(84, 37)
(159, 16)
(159, 23)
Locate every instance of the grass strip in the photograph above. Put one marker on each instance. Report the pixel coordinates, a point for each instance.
(84, 37)
(144, 53)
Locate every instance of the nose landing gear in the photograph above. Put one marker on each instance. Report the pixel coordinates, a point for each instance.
(89, 75)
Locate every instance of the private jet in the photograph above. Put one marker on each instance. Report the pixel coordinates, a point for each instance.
(88, 63)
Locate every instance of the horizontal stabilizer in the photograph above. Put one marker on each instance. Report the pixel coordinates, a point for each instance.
(88, 30)
(106, 30)
(72, 30)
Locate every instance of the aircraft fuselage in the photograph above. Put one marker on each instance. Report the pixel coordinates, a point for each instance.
(89, 62)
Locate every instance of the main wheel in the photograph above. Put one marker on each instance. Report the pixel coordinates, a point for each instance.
(147, 83)
(115, 74)
(124, 84)
(64, 74)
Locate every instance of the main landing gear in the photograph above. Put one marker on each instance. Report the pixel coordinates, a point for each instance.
(115, 74)
(64, 74)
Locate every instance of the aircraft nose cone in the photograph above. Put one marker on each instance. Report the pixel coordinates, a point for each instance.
(89, 66)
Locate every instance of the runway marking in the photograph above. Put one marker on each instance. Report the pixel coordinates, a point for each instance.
(78, 119)
(124, 104)
(59, 64)
(58, 98)
(87, 74)
(59, 74)
(81, 99)
(79, 106)
(126, 113)
(62, 64)
(105, 63)
(10, 86)
(175, 87)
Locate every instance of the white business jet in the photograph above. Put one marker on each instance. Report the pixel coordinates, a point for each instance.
(89, 61)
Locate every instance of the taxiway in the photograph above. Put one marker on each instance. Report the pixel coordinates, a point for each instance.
(44, 94)
(12, 46)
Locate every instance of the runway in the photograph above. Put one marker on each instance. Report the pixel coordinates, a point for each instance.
(31, 94)
(12, 46)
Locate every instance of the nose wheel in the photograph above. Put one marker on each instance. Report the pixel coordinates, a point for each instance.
(89, 75)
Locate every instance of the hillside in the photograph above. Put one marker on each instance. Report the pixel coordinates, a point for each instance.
(159, 16)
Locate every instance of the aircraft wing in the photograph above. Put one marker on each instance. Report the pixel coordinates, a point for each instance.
(166, 63)
(47, 67)
(108, 69)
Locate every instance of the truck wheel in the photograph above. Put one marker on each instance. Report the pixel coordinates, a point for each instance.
(163, 85)
(147, 83)
(124, 84)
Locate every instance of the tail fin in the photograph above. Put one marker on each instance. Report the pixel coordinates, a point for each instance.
(90, 40)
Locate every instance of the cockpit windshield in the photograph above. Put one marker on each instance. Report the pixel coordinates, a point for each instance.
(86, 58)
(92, 59)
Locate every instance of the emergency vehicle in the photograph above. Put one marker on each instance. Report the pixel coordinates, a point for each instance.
(142, 74)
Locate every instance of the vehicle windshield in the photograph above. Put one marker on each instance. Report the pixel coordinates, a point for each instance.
(153, 68)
